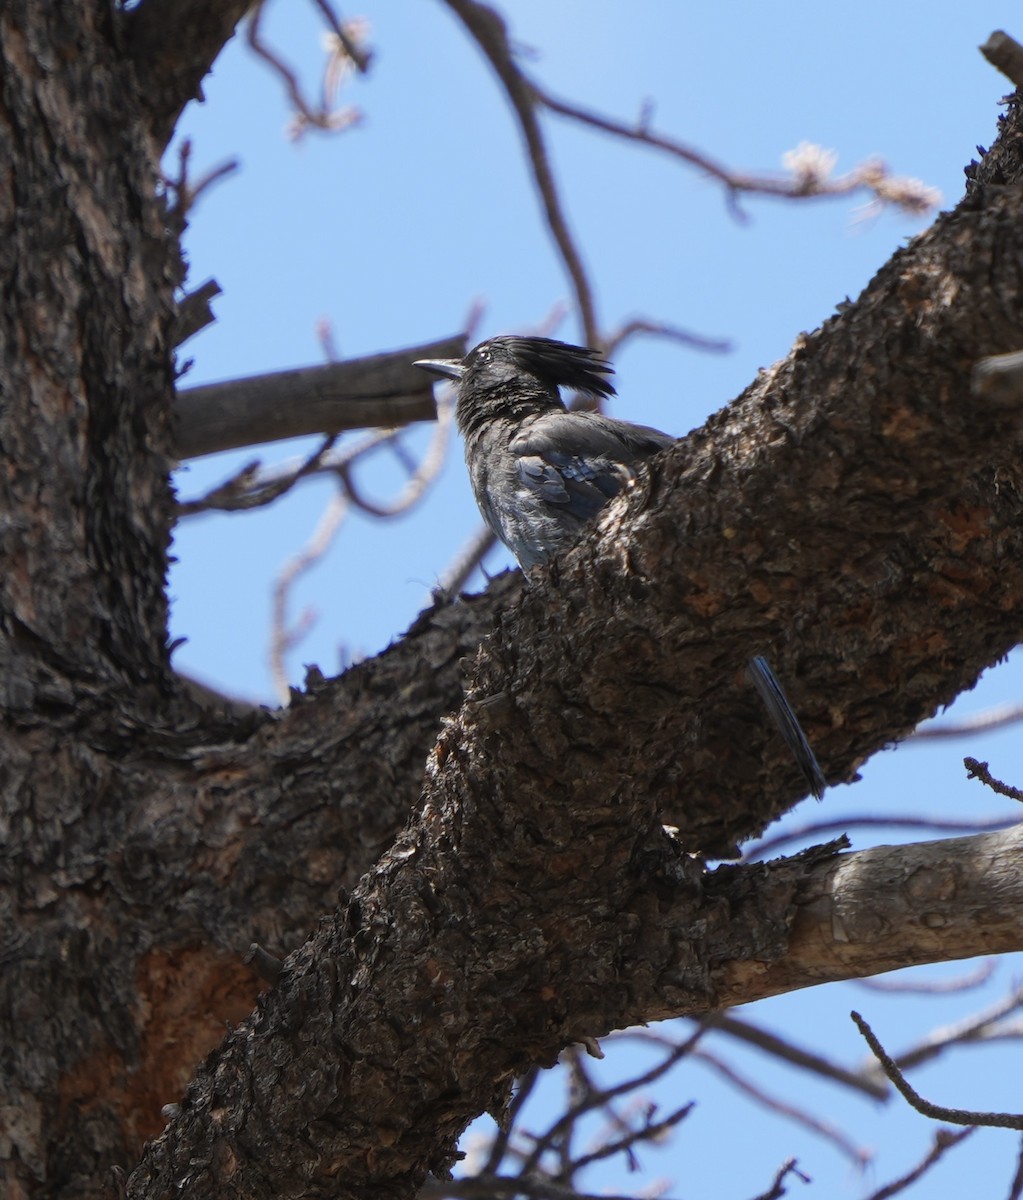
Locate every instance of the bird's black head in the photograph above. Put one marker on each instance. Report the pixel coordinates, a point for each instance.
(506, 374)
(501, 360)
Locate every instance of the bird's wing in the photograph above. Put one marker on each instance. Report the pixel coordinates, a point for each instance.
(581, 460)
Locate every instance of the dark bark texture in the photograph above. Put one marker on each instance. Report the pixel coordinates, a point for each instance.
(854, 515)
(172, 45)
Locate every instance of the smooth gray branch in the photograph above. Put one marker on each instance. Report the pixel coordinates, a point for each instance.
(382, 390)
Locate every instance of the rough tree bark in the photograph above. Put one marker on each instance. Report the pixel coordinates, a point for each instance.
(855, 515)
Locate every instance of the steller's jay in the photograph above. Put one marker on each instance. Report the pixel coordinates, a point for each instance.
(541, 473)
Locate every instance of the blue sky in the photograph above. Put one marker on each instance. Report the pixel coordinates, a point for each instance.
(392, 231)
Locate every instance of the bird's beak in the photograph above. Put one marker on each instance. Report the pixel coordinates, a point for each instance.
(450, 368)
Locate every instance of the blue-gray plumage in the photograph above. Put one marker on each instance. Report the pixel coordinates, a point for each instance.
(541, 473)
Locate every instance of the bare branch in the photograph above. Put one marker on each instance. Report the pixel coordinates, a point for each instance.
(249, 488)
(488, 30)
(973, 1028)
(508, 1117)
(421, 475)
(810, 166)
(745, 1031)
(594, 1098)
(982, 722)
(625, 1129)
(459, 571)
(934, 987)
(944, 1140)
(777, 1188)
(862, 906)
(361, 393)
(858, 1155)
(821, 829)
(1016, 1188)
(170, 67)
(956, 1116)
(342, 30)
(979, 770)
(659, 329)
(327, 116)
(1006, 54)
(282, 638)
(194, 312)
(185, 193)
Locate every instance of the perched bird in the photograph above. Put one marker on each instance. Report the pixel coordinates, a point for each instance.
(541, 473)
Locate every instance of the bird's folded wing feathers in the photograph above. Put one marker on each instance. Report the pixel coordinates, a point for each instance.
(581, 460)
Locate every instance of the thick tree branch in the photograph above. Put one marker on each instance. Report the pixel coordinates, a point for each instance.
(822, 518)
(486, 1010)
(894, 906)
(359, 393)
(622, 677)
(83, 425)
(1006, 54)
(854, 515)
(173, 44)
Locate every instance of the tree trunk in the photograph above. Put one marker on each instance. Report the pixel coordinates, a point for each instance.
(854, 515)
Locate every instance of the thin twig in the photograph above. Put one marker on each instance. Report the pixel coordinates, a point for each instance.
(186, 193)
(933, 987)
(625, 1130)
(283, 639)
(856, 1154)
(648, 1131)
(488, 30)
(509, 1116)
(660, 329)
(323, 117)
(956, 1116)
(777, 1188)
(420, 476)
(241, 493)
(599, 1097)
(816, 829)
(971, 1029)
(944, 1140)
(982, 722)
(810, 167)
(979, 770)
(194, 312)
(254, 486)
(459, 571)
(360, 57)
(787, 1051)
(1016, 1188)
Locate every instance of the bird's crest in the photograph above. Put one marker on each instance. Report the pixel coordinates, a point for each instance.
(557, 363)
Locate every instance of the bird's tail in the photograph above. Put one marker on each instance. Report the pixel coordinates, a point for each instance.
(776, 703)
